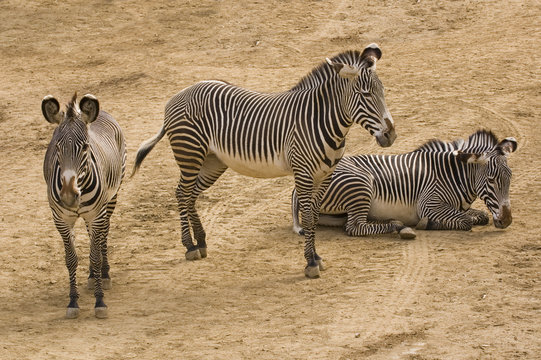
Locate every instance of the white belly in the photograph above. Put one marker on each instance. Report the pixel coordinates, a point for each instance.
(381, 210)
(270, 168)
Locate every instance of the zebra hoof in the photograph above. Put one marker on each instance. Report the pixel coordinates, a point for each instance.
(320, 265)
(72, 313)
(100, 312)
(407, 233)
(193, 255)
(203, 252)
(422, 224)
(298, 230)
(311, 272)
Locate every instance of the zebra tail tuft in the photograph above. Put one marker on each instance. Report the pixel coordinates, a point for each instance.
(145, 148)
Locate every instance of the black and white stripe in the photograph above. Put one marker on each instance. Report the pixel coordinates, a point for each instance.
(84, 166)
(214, 125)
(431, 187)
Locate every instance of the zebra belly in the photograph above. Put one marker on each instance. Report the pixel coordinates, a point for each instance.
(259, 168)
(383, 210)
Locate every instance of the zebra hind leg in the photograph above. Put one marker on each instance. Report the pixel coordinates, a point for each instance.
(211, 170)
(405, 232)
(362, 227)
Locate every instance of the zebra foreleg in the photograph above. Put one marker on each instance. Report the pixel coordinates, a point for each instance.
(96, 231)
(442, 216)
(305, 199)
(105, 277)
(66, 231)
(479, 217)
(315, 208)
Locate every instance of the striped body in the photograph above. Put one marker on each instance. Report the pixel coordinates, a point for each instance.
(214, 125)
(437, 182)
(273, 124)
(84, 166)
(106, 168)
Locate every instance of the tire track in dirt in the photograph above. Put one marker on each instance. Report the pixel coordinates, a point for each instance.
(417, 259)
(512, 127)
(332, 25)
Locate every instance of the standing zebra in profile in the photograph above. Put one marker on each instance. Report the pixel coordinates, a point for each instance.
(432, 187)
(213, 125)
(84, 166)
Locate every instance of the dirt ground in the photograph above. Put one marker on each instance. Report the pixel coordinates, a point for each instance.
(449, 68)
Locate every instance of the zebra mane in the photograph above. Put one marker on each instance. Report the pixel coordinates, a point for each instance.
(71, 108)
(324, 72)
(478, 142)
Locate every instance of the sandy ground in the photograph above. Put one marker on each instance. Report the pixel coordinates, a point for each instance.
(449, 67)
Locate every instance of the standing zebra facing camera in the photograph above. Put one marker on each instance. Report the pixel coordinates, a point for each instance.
(431, 188)
(84, 166)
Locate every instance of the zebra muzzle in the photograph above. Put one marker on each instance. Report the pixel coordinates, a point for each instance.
(69, 193)
(386, 139)
(504, 218)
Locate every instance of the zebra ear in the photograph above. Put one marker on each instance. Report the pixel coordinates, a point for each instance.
(344, 70)
(51, 109)
(370, 55)
(470, 158)
(90, 108)
(507, 146)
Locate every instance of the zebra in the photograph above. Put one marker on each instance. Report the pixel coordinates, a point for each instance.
(431, 187)
(84, 166)
(214, 125)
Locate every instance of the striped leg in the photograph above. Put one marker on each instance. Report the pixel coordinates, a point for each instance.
(357, 220)
(438, 215)
(211, 170)
(356, 193)
(105, 277)
(304, 191)
(65, 228)
(183, 193)
(190, 158)
(316, 206)
(479, 217)
(97, 229)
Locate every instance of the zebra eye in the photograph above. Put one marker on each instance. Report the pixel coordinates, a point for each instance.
(366, 94)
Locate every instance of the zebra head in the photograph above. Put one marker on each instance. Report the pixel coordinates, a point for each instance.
(70, 145)
(365, 100)
(493, 179)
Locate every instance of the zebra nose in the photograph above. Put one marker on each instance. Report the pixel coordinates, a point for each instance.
(504, 218)
(69, 193)
(387, 138)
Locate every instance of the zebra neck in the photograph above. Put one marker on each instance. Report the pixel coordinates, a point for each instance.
(465, 181)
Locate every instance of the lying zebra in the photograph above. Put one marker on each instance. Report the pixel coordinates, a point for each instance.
(430, 188)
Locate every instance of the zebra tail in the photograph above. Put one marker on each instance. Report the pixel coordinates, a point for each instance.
(145, 148)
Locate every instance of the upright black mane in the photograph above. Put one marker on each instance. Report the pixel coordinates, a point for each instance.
(480, 141)
(324, 71)
(71, 108)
